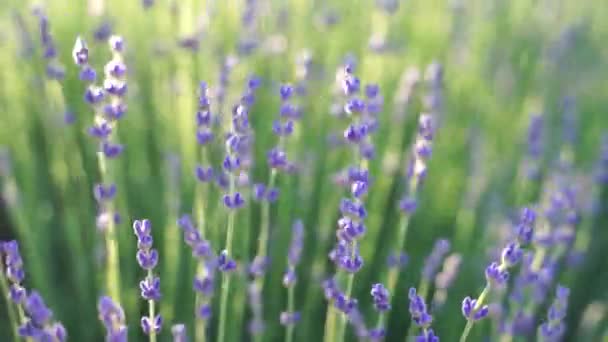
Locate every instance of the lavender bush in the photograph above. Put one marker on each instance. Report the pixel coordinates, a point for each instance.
(313, 170)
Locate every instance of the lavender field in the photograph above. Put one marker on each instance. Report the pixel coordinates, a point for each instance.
(303, 170)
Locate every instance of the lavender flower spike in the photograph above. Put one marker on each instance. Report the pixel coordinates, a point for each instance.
(147, 257)
(497, 273)
(553, 329)
(290, 317)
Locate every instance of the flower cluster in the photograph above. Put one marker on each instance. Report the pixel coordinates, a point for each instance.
(113, 318)
(13, 269)
(204, 281)
(283, 127)
(147, 258)
(433, 261)
(54, 69)
(421, 317)
(204, 133)
(289, 277)
(38, 323)
(553, 329)
(445, 278)
(497, 273)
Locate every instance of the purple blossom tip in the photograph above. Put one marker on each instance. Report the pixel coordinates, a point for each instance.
(151, 325)
(469, 310)
(289, 318)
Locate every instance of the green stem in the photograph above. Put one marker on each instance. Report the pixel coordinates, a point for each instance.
(226, 276)
(112, 262)
(393, 273)
(290, 308)
(265, 227)
(10, 309)
(151, 314)
(480, 300)
(330, 322)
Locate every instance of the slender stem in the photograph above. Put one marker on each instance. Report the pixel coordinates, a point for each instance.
(290, 309)
(226, 276)
(330, 322)
(265, 227)
(151, 314)
(112, 266)
(393, 273)
(480, 301)
(10, 309)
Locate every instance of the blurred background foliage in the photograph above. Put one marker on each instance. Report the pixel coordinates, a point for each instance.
(503, 60)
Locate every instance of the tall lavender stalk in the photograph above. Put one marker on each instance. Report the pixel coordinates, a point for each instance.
(417, 169)
(497, 272)
(104, 126)
(351, 226)
(429, 270)
(147, 258)
(204, 280)
(290, 317)
(233, 200)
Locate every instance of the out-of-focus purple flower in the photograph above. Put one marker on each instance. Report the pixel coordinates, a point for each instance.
(445, 278)
(553, 329)
(397, 260)
(256, 325)
(433, 261)
(54, 69)
(112, 316)
(225, 264)
(178, 331)
(381, 297)
(294, 253)
(418, 310)
(289, 318)
(427, 335)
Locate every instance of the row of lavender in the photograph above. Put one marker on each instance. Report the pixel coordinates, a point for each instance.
(236, 255)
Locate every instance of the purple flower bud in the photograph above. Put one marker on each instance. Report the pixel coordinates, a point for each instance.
(225, 264)
(80, 52)
(203, 174)
(235, 201)
(204, 312)
(496, 274)
(148, 325)
(381, 297)
(112, 150)
(289, 318)
(150, 288)
(470, 312)
(179, 333)
(418, 310)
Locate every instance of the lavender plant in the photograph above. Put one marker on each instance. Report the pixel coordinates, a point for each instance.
(397, 213)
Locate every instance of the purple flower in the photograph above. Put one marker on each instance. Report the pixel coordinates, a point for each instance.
(381, 297)
(495, 274)
(432, 262)
(470, 309)
(256, 325)
(113, 318)
(397, 260)
(289, 318)
(204, 174)
(150, 288)
(151, 325)
(179, 333)
(37, 310)
(418, 310)
(427, 336)
(224, 263)
(525, 228)
(553, 329)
